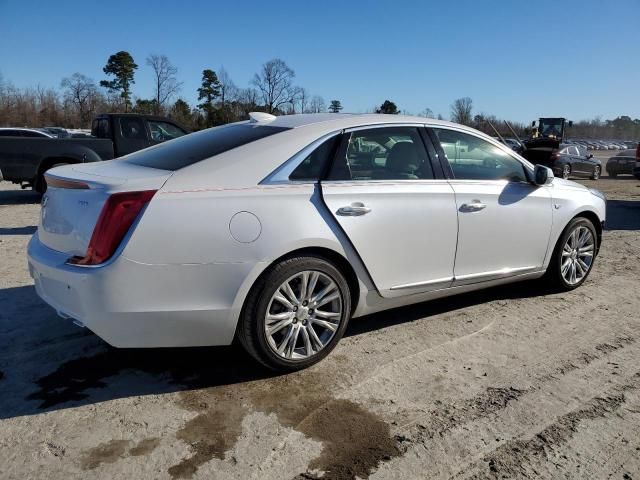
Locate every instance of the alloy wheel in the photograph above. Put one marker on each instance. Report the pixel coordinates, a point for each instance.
(566, 171)
(303, 315)
(596, 173)
(577, 255)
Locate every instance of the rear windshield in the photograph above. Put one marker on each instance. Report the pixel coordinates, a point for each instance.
(192, 148)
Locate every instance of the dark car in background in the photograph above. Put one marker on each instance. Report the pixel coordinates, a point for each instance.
(25, 160)
(624, 161)
(574, 161)
(23, 132)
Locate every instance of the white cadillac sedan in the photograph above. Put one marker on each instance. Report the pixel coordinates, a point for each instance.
(279, 230)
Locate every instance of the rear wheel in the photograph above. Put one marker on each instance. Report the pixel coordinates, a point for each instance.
(596, 173)
(574, 255)
(566, 171)
(40, 184)
(295, 314)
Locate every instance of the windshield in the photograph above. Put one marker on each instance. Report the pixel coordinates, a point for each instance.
(192, 148)
(550, 127)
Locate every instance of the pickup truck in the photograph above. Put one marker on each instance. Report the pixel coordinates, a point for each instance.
(24, 160)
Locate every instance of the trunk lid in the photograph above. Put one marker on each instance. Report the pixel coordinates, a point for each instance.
(75, 197)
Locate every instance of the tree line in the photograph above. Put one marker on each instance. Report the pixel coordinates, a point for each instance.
(272, 89)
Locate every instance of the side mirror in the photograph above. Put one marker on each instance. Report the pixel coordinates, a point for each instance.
(571, 123)
(542, 175)
(533, 124)
(590, 155)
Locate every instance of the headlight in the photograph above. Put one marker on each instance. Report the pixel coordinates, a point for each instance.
(598, 193)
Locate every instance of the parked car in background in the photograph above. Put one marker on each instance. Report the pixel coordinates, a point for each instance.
(622, 163)
(24, 133)
(25, 160)
(278, 231)
(574, 161)
(57, 132)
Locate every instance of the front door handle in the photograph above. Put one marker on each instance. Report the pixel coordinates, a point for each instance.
(473, 206)
(356, 209)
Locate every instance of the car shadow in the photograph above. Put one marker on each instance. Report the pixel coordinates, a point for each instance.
(19, 197)
(30, 230)
(53, 365)
(623, 215)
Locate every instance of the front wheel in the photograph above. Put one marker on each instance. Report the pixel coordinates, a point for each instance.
(596, 173)
(574, 254)
(295, 314)
(566, 171)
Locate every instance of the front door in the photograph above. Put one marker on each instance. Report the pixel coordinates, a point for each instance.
(400, 219)
(504, 220)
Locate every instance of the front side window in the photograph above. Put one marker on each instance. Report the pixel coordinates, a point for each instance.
(390, 153)
(163, 131)
(472, 158)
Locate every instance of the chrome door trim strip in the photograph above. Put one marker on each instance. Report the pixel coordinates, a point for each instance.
(423, 284)
(503, 272)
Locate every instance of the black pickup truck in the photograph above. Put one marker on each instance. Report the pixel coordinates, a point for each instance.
(24, 160)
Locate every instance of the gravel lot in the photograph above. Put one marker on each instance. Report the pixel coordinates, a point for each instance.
(508, 382)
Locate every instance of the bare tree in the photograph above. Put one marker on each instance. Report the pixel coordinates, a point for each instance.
(461, 111)
(228, 89)
(317, 105)
(274, 83)
(427, 112)
(166, 82)
(82, 92)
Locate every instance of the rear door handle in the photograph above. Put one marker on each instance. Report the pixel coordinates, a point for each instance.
(473, 206)
(356, 209)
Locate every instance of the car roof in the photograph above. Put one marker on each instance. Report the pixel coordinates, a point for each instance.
(348, 120)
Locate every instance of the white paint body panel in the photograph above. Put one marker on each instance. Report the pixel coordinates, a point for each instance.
(510, 234)
(408, 240)
(180, 278)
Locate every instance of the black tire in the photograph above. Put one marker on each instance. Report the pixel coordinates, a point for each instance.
(566, 171)
(251, 332)
(554, 271)
(40, 184)
(596, 173)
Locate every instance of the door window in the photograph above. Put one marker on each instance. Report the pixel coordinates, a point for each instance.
(163, 131)
(132, 128)
(391, 153)
(472, 158)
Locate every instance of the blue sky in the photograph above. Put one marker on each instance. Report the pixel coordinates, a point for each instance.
(515, 59)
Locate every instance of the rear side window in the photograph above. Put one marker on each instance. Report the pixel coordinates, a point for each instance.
(10, 133)
(195, 147)
(389, 153)
(312, 166)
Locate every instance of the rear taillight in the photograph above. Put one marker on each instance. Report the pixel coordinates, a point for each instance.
(554, 157)
(116, 218)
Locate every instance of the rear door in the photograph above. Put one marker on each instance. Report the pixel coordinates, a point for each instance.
(400, 218)
(504, 220)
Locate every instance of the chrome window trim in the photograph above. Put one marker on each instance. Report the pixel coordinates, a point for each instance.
(281, 174)
(383, 125)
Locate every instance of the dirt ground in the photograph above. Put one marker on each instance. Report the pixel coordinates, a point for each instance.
(511, 382)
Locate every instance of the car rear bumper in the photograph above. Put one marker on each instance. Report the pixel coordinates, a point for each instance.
(129, 304)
